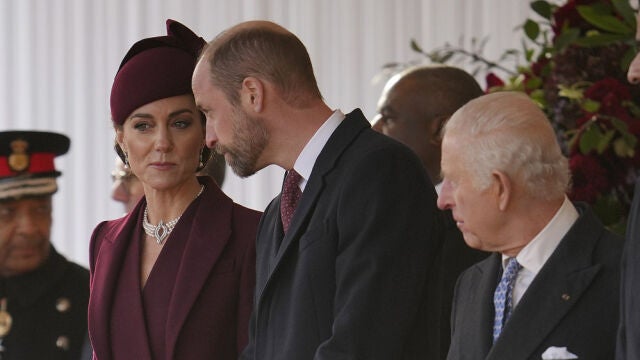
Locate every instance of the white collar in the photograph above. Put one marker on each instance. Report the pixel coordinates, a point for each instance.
(536, 253)
(309, 154)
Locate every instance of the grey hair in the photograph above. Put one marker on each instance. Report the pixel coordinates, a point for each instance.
(508, 132)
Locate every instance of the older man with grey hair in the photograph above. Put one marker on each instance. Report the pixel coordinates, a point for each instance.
(550, 290)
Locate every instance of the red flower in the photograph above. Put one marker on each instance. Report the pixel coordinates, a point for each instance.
(610, 93)
(540, 67)
(493, 81)
(589, 178)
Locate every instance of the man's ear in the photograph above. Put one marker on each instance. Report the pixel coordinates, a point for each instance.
(503, 189)
(252, 93)
(435, 129)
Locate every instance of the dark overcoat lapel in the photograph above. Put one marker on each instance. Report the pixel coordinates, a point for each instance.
(316, 286)
(346, 133)
(475, 306)
(557, 288)
(572, 301)
(628, 344)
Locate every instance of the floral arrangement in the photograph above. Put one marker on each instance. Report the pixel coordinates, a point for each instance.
(575, 61)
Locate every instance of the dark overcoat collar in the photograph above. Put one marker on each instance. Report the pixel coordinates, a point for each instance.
(348, 130)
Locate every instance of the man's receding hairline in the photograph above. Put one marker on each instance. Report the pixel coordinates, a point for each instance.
(257, 25)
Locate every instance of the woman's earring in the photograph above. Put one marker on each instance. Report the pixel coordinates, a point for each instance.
(201, 164)
(126, 160)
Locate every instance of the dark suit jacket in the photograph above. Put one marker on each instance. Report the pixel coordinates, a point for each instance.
(348, 279)
(40, 325)
(628, 347)
(572, 302)
(214, 286)
(453, 257)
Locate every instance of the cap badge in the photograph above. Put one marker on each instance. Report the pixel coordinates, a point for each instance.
(19, 159)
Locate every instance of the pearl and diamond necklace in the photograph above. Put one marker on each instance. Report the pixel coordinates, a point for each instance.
(161, 231)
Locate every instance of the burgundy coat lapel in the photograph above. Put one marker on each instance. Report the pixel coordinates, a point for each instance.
(109, 244)
(207, 238)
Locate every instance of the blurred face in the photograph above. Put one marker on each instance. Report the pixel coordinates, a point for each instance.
(231, 131)
(25, 227)
(163, 140)
(401, 118)
(475, 211)
(126, 188)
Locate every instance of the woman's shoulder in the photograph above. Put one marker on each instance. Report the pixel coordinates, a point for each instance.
(108, 228)
(246, 213)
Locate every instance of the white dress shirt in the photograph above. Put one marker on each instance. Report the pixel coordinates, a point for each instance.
(309, 154)
(533, 256)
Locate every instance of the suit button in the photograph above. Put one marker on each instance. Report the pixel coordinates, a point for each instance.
(62, 343)
(63, 305)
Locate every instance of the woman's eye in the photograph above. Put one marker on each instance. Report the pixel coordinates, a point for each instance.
(141, 126)
(182, 124)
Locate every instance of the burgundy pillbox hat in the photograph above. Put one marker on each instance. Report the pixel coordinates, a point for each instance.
(155, 68)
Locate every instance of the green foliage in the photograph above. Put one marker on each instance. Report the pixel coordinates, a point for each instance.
(531, 29)
(597, 15)
(542, 8)
(572, 62)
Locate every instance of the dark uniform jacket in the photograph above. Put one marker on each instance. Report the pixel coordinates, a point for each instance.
(49, 311)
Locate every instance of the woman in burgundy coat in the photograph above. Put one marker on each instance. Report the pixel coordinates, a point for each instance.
(174, 278)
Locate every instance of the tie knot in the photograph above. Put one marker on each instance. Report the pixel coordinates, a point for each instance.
(292, 179)
(512, 268)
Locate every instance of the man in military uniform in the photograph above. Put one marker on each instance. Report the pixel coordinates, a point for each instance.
(43, 296)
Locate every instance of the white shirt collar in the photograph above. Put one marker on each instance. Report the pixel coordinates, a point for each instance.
(535, 254)
(309, 154)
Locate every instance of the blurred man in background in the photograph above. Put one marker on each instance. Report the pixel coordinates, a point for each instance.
(412, 109)
(43, 296)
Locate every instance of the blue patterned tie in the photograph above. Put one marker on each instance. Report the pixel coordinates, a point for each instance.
(503, 297)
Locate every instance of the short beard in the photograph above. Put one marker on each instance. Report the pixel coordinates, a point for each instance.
(251, 138)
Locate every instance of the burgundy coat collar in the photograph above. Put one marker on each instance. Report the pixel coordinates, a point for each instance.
(111, 239)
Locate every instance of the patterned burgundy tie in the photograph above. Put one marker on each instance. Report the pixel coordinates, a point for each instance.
(289, 198)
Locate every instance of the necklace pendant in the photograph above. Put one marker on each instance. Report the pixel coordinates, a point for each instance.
(161, 232)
